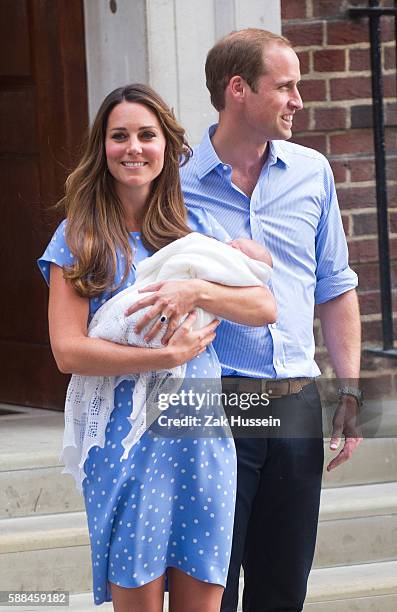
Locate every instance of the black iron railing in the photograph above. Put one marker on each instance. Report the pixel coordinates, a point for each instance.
(374, 12)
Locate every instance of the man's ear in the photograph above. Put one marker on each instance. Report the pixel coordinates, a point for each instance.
(237, 88)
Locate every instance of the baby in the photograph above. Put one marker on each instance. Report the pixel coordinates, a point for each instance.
(252, 249)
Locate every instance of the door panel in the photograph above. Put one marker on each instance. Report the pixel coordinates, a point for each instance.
(43, 109)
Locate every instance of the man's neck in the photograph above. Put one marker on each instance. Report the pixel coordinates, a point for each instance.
(245, 156)
(234, 147)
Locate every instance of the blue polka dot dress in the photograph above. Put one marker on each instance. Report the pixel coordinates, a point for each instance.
(171, 503)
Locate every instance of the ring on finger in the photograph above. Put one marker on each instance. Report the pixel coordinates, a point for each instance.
(163, 319)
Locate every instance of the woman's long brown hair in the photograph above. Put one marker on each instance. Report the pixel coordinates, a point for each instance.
(96, 230)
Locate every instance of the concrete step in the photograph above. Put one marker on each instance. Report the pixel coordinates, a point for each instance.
(356, 588)
(30, 481)
(375, 460)
(348, 584)
(35, 491)
(357, 525)
(34, 485)
(49, 552)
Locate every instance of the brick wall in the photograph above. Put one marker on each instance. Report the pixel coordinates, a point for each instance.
(336, 120)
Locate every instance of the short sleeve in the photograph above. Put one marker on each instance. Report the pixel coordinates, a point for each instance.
(200, 220)
(57, 252)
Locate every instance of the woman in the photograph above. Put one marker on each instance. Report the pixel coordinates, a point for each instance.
(167, 509)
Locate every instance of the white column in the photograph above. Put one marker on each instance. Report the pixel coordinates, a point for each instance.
(116, 47)
(165, 43)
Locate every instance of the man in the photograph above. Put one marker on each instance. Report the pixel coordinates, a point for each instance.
(282, 195)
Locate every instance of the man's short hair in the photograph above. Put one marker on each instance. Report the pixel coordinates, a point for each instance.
(239, 53)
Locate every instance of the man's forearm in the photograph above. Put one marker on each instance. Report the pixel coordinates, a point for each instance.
(341, 327)
(245, 305)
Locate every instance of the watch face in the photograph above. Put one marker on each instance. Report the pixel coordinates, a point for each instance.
(354, 392)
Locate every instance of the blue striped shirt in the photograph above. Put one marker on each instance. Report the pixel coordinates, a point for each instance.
(294, 212)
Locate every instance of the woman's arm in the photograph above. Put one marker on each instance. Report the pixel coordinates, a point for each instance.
(76, 353)
(254, 306)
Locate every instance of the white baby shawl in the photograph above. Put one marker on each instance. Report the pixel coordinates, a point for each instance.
(89, 399)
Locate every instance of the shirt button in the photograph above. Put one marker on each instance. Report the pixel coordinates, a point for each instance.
(253, 214)
(273, 325)
(225, 167)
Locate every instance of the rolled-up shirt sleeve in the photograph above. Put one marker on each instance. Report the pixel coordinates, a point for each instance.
(333, 274)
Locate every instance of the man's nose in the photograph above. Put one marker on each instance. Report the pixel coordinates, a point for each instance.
(296, 100)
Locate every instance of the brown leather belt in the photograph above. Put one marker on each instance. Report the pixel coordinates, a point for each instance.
(274, 387)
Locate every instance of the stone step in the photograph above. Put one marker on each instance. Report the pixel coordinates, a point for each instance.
(375, 460)
(31, 546)
(31, 482)
(356, 588)
(357, 525)
(352, 582)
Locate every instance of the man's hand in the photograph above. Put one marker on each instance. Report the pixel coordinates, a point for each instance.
(345, 423)
(174, 299)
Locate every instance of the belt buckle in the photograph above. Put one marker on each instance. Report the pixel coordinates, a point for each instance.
(270, 392)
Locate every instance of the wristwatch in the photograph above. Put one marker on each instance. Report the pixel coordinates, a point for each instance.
(353, 391)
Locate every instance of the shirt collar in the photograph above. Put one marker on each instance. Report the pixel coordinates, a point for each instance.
(207, 158)
(277, 151)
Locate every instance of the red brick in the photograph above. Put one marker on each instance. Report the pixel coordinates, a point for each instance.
(379, 386)
(361, 116)
(362, 170)
(346, 224)
(393, 221)
(391, 114)
(339, 168)
(312, 90)
(372, 331)
(313, 141)
(391, 141)
(293, 10)
(350, 88)
(330, 118)
(373, 363)
(389, 58)
(356, 197)
(304, 60)
(365, 223)
(329, 60)
(359, 59)
(393, 265)
(347, 32)
(364, 250)
(368, 276)
(391, 169)
(352, 141)
(302, 120)
(327, 8)
(389, 86)
(306, 34)
(369, 302)
(387, 30)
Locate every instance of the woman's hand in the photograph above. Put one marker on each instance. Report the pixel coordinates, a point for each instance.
(172, 299)
(186, 344)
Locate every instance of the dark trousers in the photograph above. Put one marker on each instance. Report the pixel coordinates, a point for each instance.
(275, 526)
